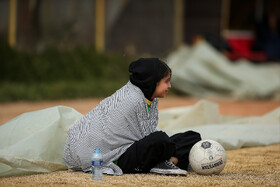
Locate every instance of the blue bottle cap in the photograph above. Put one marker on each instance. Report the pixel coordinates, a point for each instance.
(97, 150)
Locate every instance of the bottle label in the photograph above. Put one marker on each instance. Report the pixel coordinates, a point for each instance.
(97, 163)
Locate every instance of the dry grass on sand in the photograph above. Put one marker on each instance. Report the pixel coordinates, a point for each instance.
(257, 166)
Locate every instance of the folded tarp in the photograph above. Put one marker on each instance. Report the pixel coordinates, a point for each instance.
(232, 132)
(34, 142)
(201, 70)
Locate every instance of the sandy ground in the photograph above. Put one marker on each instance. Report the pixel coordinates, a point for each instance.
(227, 107)
(255, 166)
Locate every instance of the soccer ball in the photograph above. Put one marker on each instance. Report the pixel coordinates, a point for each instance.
(207, 157)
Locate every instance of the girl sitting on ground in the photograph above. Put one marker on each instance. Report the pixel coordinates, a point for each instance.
(124, 125)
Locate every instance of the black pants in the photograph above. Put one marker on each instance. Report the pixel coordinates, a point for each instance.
(144, 154)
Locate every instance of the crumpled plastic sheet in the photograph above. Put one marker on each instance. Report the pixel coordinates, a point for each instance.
(231, 132)
(201, 70)
(34, 142)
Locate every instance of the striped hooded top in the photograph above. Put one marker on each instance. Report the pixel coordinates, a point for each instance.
(113, 125)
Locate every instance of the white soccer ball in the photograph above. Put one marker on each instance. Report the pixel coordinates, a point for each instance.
(207, 157)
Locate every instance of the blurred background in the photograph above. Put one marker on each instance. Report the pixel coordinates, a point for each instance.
(71, 49)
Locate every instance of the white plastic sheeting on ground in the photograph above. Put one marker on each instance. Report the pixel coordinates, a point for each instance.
(231, 132)
(34, 142)
(201, 70)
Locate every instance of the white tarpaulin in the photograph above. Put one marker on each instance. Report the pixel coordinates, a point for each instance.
(231, 132)
(34, 142)
(201, 70)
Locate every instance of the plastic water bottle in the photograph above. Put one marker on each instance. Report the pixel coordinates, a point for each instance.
(96, 163)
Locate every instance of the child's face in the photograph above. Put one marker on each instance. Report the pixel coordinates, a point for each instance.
(162, 87)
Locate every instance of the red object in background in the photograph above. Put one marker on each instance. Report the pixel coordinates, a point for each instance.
(241, 43)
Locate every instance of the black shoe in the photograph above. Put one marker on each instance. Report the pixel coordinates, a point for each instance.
(168, 168)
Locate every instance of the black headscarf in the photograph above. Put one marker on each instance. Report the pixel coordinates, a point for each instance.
(146, 72)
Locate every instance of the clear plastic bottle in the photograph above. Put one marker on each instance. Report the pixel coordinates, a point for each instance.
(96, 165)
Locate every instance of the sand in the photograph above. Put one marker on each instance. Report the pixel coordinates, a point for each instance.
(227, 107)
(257, 166)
